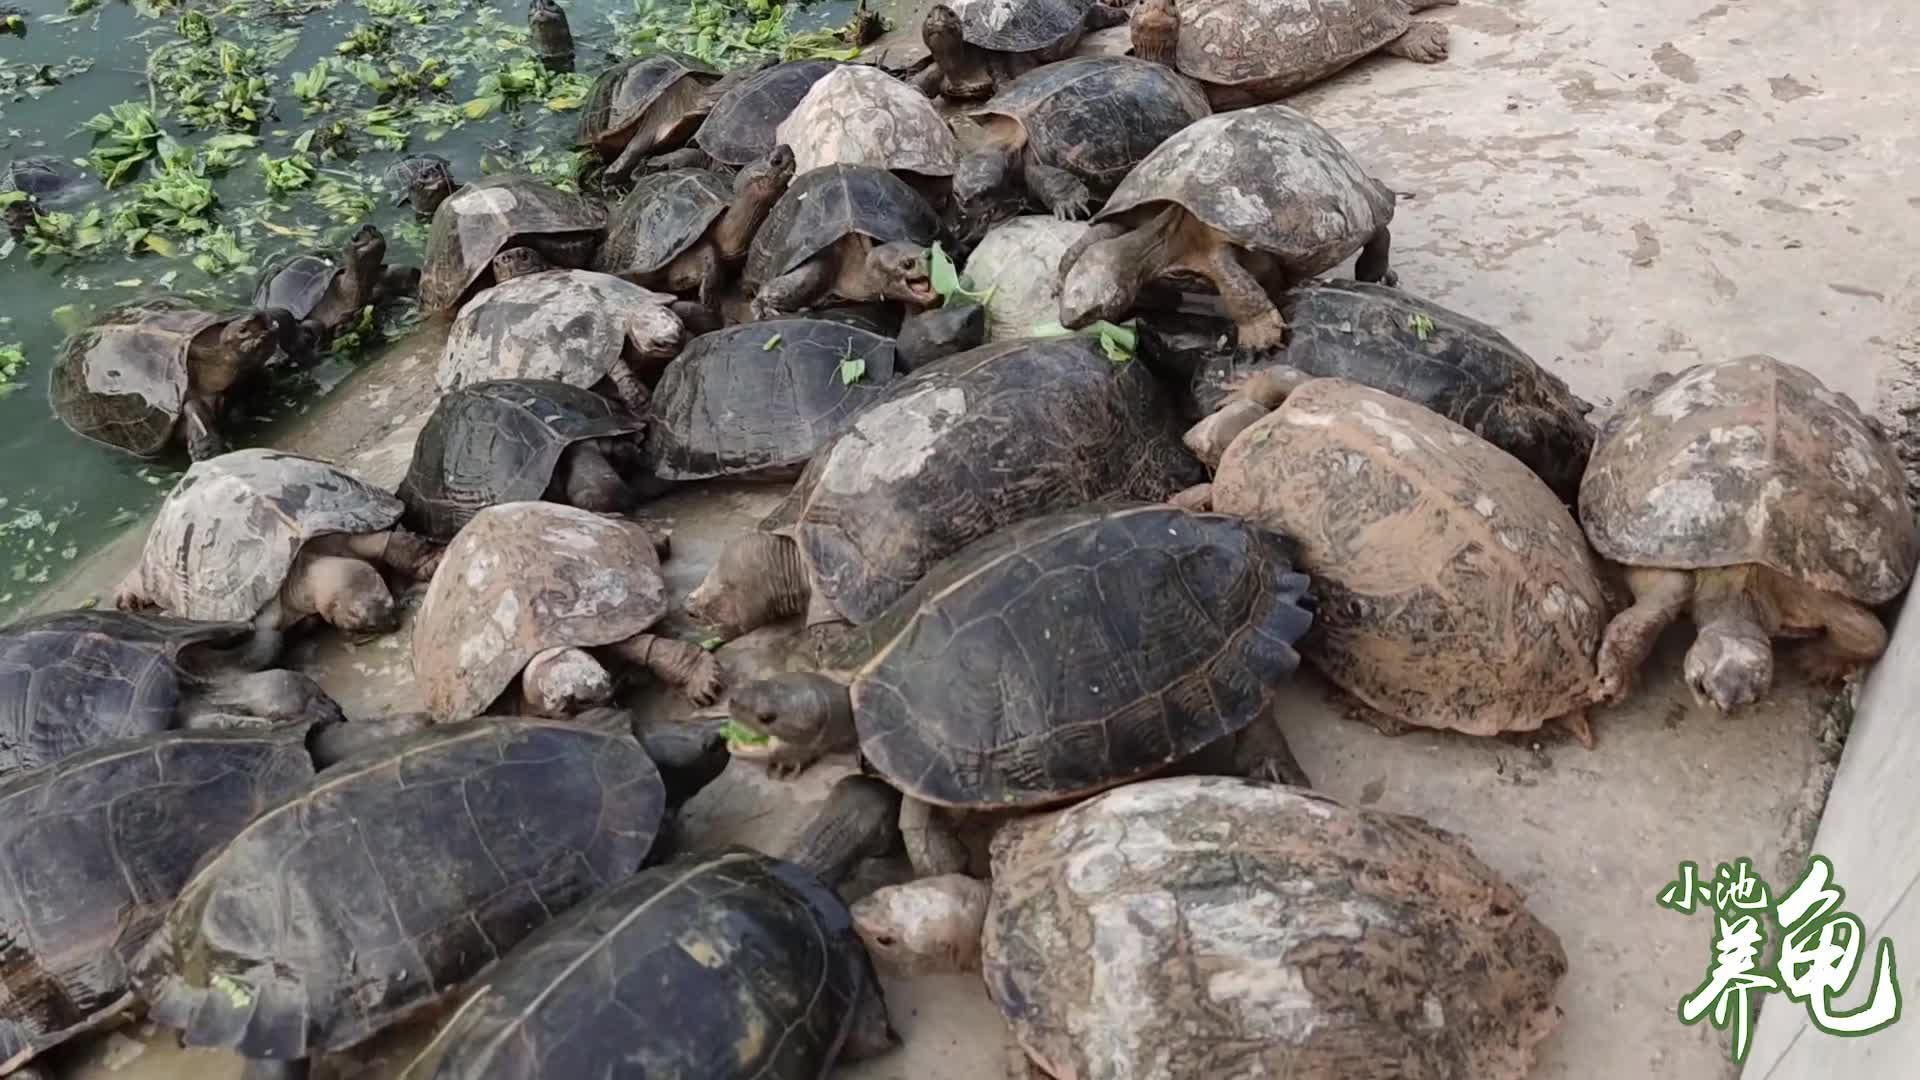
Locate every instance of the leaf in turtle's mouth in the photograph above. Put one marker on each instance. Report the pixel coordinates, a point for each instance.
(747, 741)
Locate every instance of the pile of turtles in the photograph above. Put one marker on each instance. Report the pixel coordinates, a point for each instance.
(1050, 571)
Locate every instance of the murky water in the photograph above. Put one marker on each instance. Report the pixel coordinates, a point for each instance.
(60, 495)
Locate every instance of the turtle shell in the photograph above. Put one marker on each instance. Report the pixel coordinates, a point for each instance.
(1072, 652)
(733, 945)
(73, 679)
(968, 446)
(665, 214)
(1752, 461)
(47, 178)
(1279, 46)
(622, 93)
(1018, 264)
(498, 442)
(404, 173)
(570, 326)
(823, 207)
(522, 578)
(123, 380)
(1267, 178)
(1455, 589)
(396, 875)
(297, 284)
(1249, 929)
(229, 531)
(1017, 26)
(860, 115)
(1097, 116)
(740, 129)
(483, 218)
(762, 398)
(96, 847)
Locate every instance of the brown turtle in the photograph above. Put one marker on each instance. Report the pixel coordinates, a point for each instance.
(644, 106)
(847, 232)
(679, 231)
(860, 115)
(978, 45)
(495, 215)
(1752, 498)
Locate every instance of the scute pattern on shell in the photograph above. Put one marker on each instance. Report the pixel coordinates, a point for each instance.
(752, 971)
(1019, 25)
(1752, 461)
(1455, 590)
(123, 379)
(664, 215)
(1098, 116)
(621, 95)
(1213, 926)
(859, 115)
(395, 876)
(1076, 651)
(1280, 46)
(823, 207)
(522, 578)
(740, 129)
(228, 532)
(1019, 262)
(297, 284)
(570, 326)
(478, 221)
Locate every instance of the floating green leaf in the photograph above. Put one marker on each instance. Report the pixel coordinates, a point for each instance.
(12, 358)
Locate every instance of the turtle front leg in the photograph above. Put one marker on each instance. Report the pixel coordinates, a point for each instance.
(934, 847)
(131, 593)
(589, 481)
(629, 388)
(630, 158)
(1659, 596)
(681, 664)
(796, 289)
(1853, 638)
(1258, 322)
(1423, 43)
(1372, 265)
(1061, 192)
(199, 420)
(1198, 498)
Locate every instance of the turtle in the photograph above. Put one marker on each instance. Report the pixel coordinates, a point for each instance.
(70, 680)
(846, 232)
(1415, 349)
(978, 45)
(1253, 200)
(1068, 133)
(740, 129)
(321, 294)
(1257, 929)
(860, 115)
(1017, 262)
(147, 374)
(515, 440)
(453, 844)
(42, 181)
(579, 327)
(422, 180)
(681, 970)
(1748, 496)
(645, 106)
(1057, 657)
(497, 214)
(680, 230)
(1455, 589)
(528, 589)
(550, 36)
(1249, 52)
(271, 538)
(967, 446)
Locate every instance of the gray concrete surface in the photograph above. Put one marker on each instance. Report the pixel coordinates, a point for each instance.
(1625, 187)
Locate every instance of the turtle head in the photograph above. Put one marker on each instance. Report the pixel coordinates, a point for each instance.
(767, 177)
(1730, 664)
(430, 187)
(1100, 285)
(985, 190)
(757, 579)
(564, 681)
(517, 262)
(940, 29)
(1155, 29)
(801, 717)
(346, 592)
(901, 271)
(253, 335)
(367, 250)
(588, 479)
(540, 11)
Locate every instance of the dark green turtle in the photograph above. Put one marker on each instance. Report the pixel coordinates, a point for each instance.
(324, 294)
(679, 231)
(513, 440)
(740, 129)
(846, 232)
(978, 45)
(423, 180)
(491, 216)
(643, 107)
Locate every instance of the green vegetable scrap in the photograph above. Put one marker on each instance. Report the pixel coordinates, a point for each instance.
(1421, 326)
(741, 735)
(12, 359)
(947, 281)
(1119, 342)
(852, 368)
(291, 173)
(725, 33)
(125, 137)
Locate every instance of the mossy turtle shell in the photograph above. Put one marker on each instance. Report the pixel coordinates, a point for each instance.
(483, 218)
(570, 326)
(740, 129)
(1097, 116)
(1018, 26)
(860, 115)
(123, 380)
(1274, 47)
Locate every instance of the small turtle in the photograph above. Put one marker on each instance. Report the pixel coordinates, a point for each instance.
(271, 538)
(964, 448)
(1068, 133)
(573, 326)
(515, 440)
(1248, 52)
(1055, 658)
(1252, 201)
(1748, 496)
(740, 129)
(551, 38)
(1268, 931)
(643, 107)
(498, 214)
(148, 373)
(846, 232)
(978, 45)
(422, 180)
(46, 182)
(682, 969)
(321, 294)
(859, 115)
(528, 589)
(680, 230)
(400, 873)
(73, 679)
(1455, 589)
(1018, 263)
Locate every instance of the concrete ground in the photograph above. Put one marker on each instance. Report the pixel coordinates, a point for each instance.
(1625, 187)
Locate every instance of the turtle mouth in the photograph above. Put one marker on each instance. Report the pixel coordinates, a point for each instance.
(750, 739)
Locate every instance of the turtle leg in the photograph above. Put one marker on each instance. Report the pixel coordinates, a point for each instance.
(590, 482)
(682, 664)
(330, 743)
(860, 820)
(712, 275)
(698, 318)
(1659, 596)
(564, 680)
(397, 549)
(929, 81)
(1258, 322)
(1372, 266)
(203, 435)
(1198, 498)
(627, 385)
(1731, 661)
(631, 157)
(934, 847)
(1259, 394)
(1061, 192)
(1853, 636)
(1423, 42)
(796, 288)
(131, 593)
(687, 157)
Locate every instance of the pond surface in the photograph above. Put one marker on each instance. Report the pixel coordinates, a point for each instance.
(338, 90)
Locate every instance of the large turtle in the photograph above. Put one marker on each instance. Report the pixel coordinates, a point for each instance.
(1455, 590)
(1750, 497)
(1066, 134)
(978, 45)
(515, 440)
(496, 214)
(272, 538)
(72, 679)
(687, 970)
(680, 230)
(149, 373)
(740, 129)
(527, 590)
(643, 107)
(962, 449)
(860, 115)
(397, 875)
(1055, 658)
(1213, 926)
(847, 232)
(324, 294)
(1247, 52)
(1253, 201)
(1017, 263)
(422, 180)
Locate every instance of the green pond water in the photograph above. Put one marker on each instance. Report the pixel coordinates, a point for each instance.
(340, 87)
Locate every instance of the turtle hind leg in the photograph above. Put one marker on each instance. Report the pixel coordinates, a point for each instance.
(1659, 596)
(1852, 637)
(681, 664)
(1372, 265)
(1061, 192)
(795, 289)
(1423, 43)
